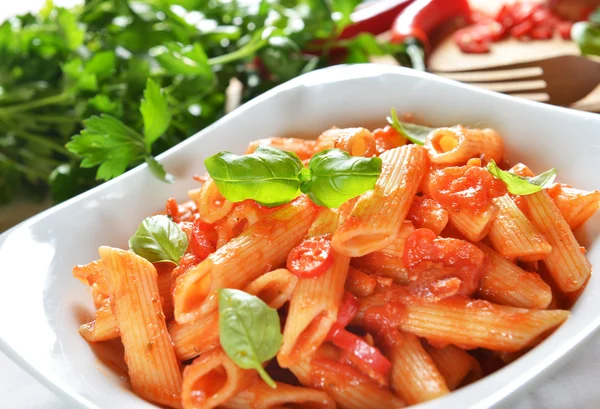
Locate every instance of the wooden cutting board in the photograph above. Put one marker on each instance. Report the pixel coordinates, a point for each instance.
(447, 56)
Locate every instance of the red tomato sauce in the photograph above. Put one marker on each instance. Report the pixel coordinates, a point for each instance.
(465, 187)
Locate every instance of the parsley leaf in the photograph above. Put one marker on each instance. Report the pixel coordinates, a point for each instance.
(155, 112)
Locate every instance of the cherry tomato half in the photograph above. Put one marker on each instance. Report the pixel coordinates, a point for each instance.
(311, 258)
(200, 245)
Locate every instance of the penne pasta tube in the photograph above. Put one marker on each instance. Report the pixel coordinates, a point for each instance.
(414, 376)
(575, 205)
(104, 327)
(349, 388)
(315, 302)
(193, 338)
(355, 141)
(261, 396)
(301, 147)
(164, 282)
(513, 236)
(374, 220)
(455, 364)
(92, 275)
(151, 362)
(212, 206)
(566, 263)
(474, 226)
(455, 146)
(482, 324)
(505, 283)
(257, 250)
(212, 379)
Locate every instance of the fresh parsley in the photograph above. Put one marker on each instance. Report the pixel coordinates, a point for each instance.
(159, 239)
(519, 185)
(415, 133)
(272, 177)
(249, 331)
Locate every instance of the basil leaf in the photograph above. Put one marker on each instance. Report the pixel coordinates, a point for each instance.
(249, 330)
(415, 133)
(522, 186)
(269, 175)
(155, 112)
(336, 177)
(159, 239)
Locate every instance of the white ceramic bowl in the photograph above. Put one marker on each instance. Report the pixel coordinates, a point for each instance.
(42, 305)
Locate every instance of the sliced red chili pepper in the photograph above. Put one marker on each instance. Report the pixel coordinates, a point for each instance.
(200, 245)
(346, 313)
(541, 33)
(506, 17)
(564, 29)
(522, 29)
(311, 258)
(366, 357)
(469, 42)
(172, 209)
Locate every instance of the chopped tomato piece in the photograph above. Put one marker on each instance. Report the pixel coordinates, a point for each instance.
(522, 29)
(172, 209)
(311, 258)
(346, 313)
(506, 17)
(366, 357)
(387, 138)
(200, 244)
(470, 42)
(453, 258)
(541, 33)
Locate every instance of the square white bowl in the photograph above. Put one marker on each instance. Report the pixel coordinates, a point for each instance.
(41, 304)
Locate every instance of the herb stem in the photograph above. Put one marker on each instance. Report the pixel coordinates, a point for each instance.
(41, 140)
(26, 106)
(31, 172)
(246, 51)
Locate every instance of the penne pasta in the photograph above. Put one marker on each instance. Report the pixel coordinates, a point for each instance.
(505, 283)
(193, 338)
(92, 275)
(104, 327)
(212, 206)
(372, 223)
(455, 146)
(315, 301)
(301, 147)
(257, 250)
(152, 366)
(355, 141)
(474, 226)
(261, 396)
(575, 205)
(212, 379)
(513, 236)
(455, 365)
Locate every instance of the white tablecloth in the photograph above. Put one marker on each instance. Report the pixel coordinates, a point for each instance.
(574, 383)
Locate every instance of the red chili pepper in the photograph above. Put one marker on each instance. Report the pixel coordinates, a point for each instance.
(564, 29)
(200, 245)
(311, 258)
(366, 357)
(375, 17)
(347, 311)
(172, 209)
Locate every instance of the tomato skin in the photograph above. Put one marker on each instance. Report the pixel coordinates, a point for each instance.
(311, 258)
(387, 138)
(200, 245)
(172, 209)
(346, 313)
(458, 258)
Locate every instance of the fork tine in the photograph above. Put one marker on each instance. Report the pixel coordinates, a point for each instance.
(512, 86)
(533, 96)
(497, 75)
(526, 64)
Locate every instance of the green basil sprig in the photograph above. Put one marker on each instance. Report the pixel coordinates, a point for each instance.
(415, 133)
(249, 331)
(159, 239)
(272, 177)
(519, 185)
